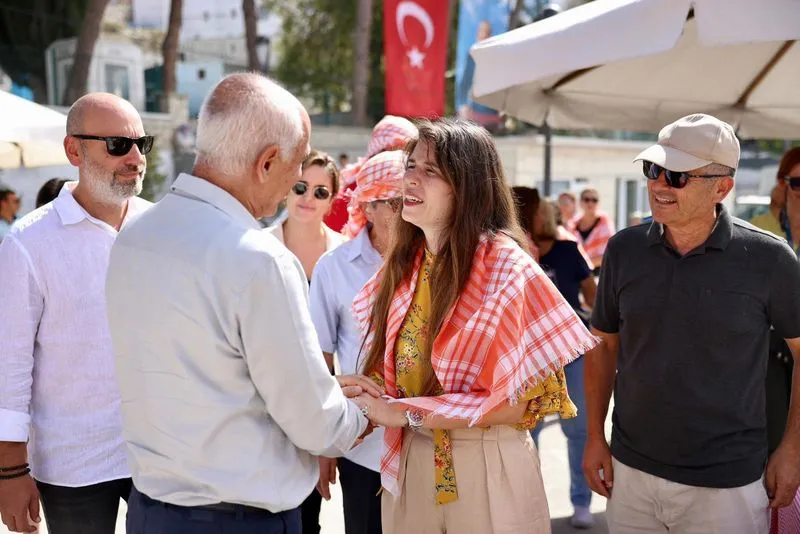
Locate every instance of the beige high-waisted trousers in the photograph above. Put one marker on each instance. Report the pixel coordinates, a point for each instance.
(500, 489)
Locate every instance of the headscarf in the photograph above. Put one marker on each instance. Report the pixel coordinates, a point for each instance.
(379, 178)
(391, 133)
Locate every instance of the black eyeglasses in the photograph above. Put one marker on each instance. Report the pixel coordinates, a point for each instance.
(320, 192)
(793, 181)
(119, 146)
(676, 179)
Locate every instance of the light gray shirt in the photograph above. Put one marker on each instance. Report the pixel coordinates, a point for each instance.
(225, 394)
(338, 277)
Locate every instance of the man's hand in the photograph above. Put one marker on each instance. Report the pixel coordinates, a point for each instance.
(597, 456)
(355, 385)
(783, 475)
(327, 476)
(19, 504)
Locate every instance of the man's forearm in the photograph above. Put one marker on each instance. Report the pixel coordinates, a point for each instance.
(599, 371)
(13, 453)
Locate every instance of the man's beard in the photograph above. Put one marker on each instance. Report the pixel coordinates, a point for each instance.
(114, 191)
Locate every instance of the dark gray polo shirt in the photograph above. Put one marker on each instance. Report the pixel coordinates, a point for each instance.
(694, 337)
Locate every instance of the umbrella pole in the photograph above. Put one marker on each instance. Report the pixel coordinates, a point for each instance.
(548, 154)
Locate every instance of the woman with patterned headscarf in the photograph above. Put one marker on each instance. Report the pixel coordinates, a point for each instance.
(391, 133)
(339, 275)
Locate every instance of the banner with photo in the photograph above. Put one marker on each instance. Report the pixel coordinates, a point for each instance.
(478, 20)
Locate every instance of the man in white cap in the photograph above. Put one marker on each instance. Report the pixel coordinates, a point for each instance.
(684, 309)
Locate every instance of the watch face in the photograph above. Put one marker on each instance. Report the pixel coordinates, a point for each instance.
(415, 418)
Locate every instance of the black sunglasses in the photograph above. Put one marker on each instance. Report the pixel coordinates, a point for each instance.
(793, 181)
(320, 192)
(590, 200)
(119, 146)
(676, 179)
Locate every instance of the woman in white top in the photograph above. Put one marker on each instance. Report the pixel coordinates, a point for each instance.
(303, 231)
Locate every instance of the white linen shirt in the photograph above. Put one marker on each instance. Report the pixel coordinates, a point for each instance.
(225, 394)
(338, 277)
(57, 384)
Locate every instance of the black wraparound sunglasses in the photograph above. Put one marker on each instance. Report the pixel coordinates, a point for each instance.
(320, 192)
(793, 181)
(676, 179)
(119, 146)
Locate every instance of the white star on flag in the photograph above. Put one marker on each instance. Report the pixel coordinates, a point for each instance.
(416, 58)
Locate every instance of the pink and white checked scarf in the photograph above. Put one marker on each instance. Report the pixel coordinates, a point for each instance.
(509, 329)
(787, 520)
(391, 133)
(595, 245)
(380, 178)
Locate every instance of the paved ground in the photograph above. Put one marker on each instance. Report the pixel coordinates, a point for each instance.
(555, 471)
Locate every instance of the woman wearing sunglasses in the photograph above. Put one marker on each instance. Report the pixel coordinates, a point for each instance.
(391, 133)
(469, 338)
(303, 232)
(593, 228)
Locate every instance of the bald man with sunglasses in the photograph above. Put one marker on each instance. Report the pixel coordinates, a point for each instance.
(60, 422)
(683, 309)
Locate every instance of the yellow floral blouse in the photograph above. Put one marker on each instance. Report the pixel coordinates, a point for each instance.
(547, 397)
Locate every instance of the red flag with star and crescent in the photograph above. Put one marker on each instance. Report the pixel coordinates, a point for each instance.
(415, 45)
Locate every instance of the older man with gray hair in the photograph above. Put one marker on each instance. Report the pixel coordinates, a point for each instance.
(226, 397)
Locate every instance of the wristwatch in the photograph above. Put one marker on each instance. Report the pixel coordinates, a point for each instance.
(414, 420)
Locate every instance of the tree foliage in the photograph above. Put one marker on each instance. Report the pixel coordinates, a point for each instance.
(27, 28)
(316, 49)
(154, 179)
(316, 53)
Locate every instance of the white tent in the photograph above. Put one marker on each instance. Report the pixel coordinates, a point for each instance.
(30, 135)
(639, 64)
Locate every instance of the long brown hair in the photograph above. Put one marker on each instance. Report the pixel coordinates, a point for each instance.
(482, 203)
(527, 200)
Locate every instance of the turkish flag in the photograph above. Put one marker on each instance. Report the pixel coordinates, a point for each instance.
(415, 44)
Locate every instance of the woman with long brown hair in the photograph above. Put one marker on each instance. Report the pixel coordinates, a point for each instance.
(469, 338)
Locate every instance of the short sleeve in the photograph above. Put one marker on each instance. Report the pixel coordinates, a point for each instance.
(582, 268)
(784, 298)
(605, 314)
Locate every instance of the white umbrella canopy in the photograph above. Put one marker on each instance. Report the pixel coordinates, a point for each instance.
(640, 64)
(30, 135)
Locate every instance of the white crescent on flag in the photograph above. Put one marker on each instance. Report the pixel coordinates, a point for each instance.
(416, 11)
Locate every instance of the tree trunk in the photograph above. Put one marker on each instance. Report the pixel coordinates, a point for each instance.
(360, 87)
(169, 48)
(90, 30)
(250, 35)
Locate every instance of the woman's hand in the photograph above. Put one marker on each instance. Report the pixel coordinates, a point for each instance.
(380, 412)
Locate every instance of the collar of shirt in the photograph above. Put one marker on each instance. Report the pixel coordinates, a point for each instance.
(204, 191)
(719, 238)
(363, 248)
(70, 212)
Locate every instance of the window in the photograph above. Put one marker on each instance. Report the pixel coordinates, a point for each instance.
(206, 16)
(201, 74)
(234, 13)
(117, 80)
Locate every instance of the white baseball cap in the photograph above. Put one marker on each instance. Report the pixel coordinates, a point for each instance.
(692, 142)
